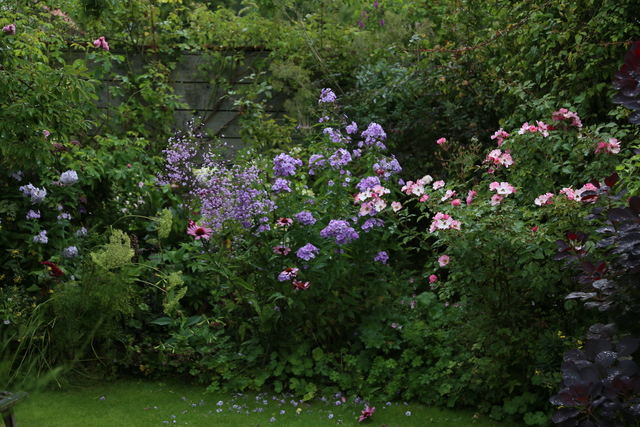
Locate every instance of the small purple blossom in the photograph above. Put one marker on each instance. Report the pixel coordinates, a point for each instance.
(285, 165)
(327, 95)
(33, 214)
(70, 252)
(81, 232)
(374, 135)
(340, 230)
(37, 194)
(340, 158)
(382, 257)
(316, 160)
(367, 183)
(307, 252)
(69, 177)
(281, 185)
(334, 134)
(305, 218)
(352, 128)
(387, 167)
(370, 223)
(41, 237)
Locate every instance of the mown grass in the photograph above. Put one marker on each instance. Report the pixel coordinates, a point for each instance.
(141, 403)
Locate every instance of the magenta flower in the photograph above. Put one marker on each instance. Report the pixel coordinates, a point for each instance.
(470, 196)
(432, 278)
(284, 222)
(101, 43)
(443, 260)
(367, 413)
(10, 30)
(441, 141)
(198, 231)
(299, 285)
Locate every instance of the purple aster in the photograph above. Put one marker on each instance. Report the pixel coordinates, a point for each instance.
(285, 165)
(307, 252)
(305, 218)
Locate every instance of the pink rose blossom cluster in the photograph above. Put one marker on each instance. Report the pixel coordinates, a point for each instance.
(502, 189)
(611, 147)
(442, 221)
(544, 199)
(564, 115)
(541, 127)
(500, 135)
(417, 188)
(101, 43)
(376, 203)
(498, 158)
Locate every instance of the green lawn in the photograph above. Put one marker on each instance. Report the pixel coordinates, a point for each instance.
(140, 403)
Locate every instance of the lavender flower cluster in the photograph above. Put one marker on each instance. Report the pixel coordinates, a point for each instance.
(285, 165)
(340, 230)
(226, 194)
(37, 194)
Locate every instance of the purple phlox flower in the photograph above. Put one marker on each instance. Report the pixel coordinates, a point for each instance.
(41, 237)
(352, 128)
(374, 135)
(69, 177)
(70, 252)
(307, 252)
(370, 223)
(386, 167)
(334, 134)
(285, 165)
(382, 257)
(64, 215)
(340, 230)
(17, 175)
(37, 194)
(381, 22)
(340, 158)
(316, 160)
(367, 183)
(288, 274)
(33, 214)
(305, 218)
(81, 232)
(281, 185)
(327, 95)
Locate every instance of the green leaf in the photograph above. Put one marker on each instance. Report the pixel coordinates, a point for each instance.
(162, 321)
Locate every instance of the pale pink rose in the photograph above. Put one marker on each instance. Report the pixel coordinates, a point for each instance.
(441, 141)
(470, 197)
(496, 199)
(438, 184)
(396, 206)
(424, 198)
(443, 260)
